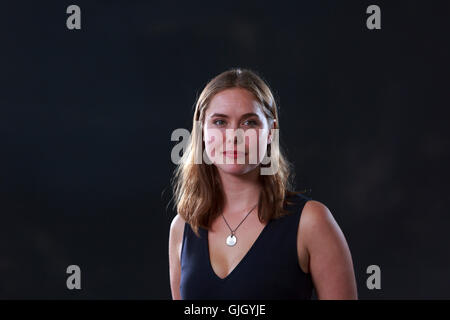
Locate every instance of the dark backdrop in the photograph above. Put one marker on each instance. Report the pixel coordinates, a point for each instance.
(86, 118)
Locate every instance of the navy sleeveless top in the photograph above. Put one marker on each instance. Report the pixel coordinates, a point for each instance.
(269, 271)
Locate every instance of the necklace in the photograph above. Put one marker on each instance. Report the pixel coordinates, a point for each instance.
(231, 239)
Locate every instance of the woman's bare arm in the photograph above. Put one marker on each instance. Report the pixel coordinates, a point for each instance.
(330, 261)
(175, 243)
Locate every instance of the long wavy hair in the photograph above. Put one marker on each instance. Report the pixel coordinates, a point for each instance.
(197, 191)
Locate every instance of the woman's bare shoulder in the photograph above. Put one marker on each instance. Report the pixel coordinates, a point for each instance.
(316, 213)
(330, 261)
(317, 221)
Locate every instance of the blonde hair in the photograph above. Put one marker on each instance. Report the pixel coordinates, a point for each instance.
(197, 190)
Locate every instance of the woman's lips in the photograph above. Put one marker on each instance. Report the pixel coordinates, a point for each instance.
(234, 154)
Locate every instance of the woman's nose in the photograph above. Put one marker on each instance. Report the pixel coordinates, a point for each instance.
(235, 136)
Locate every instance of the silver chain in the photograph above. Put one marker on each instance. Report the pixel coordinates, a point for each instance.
(233, 231)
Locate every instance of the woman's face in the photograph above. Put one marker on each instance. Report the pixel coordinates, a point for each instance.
(236, 131)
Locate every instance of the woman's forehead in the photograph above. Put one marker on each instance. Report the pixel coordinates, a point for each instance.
(233, 101)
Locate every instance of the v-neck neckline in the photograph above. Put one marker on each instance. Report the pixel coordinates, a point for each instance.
(234, 270)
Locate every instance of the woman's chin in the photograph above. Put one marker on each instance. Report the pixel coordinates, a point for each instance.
(236, 169)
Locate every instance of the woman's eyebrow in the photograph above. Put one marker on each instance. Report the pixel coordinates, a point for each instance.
(218, 115)
(245, 115)
(248, 115)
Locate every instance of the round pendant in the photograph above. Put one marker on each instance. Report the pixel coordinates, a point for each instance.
(231, 240)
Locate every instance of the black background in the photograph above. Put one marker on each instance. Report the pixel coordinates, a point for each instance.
(86, 118)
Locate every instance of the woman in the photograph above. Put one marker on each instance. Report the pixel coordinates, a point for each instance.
(238, 232)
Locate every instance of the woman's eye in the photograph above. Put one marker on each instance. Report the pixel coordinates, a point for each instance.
(219, 122)
(250, 123)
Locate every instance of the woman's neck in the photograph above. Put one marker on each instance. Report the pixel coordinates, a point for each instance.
(241, 192)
